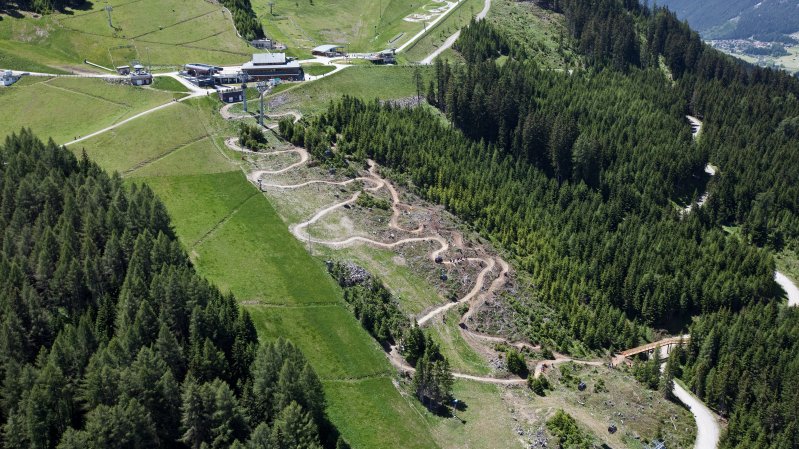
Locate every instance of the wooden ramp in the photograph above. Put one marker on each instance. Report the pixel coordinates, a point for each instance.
(649, 348)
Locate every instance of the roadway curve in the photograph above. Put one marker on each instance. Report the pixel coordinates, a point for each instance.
(790, 288)
(708, 431)
(451, 40)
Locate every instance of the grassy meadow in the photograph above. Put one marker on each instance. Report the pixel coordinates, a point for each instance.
(442, 30)
(160, 32)
(64, 108)
(360, 25)
(367, 82)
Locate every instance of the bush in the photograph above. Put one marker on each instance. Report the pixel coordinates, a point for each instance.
(251, 137)
(369, 201)
(516, 363)
(599, 386)
(537, 385)
(564, 427)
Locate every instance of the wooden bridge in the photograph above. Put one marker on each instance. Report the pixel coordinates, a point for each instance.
(650, 348)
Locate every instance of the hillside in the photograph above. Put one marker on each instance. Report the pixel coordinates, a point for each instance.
(765, 20)
(110, 337)
(358, 26)
(161, 33)
(577, 226)
(760, 32)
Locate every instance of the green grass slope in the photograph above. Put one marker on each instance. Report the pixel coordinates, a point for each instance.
(541, 33)
(63, 108)
(439, 33)
(161, 32)
(361, 25)
(367, 82)
(238, 242)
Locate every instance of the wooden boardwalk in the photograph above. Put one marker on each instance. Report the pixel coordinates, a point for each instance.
(650, 347)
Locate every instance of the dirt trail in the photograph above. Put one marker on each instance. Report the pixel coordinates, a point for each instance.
(478, 285)
(497, 284)
(255, 176)
(224, 111)
(299, 230)
(709, 430)
(399, 362)
(474, 298)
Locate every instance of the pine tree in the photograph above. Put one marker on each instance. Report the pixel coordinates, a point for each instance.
(194, 421)
(294, 429)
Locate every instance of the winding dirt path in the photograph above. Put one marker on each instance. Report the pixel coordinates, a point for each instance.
(399, 362)
(478, 286)
(299, 230)
(475, 297)
(255, 175)
(224, 111)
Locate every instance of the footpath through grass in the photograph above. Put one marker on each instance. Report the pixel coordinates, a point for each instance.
(64, 108)
(239, 243)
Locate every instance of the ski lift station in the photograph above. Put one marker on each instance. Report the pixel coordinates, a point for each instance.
(330, 51)
(8, 78)
(231, 95)
(140, 76)
(265, 66)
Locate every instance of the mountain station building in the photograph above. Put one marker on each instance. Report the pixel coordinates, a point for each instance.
(264, 66)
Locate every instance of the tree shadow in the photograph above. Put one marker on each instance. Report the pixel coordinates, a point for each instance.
(10, 10)
(449, 410)
(15, 9)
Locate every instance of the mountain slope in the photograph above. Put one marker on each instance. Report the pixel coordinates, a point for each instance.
(738, 19)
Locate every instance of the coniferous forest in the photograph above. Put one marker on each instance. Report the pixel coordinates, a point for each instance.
(110, 339)
(577, 176)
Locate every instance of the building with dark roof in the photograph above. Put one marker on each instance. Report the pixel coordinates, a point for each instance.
(231, 95)
(197, 69)
(384, 57)
(140, 76)
(265, 43)
(265, 66)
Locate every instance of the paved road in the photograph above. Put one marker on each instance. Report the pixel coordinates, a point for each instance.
(708, 430)
(424, 31)
(451, 40)
(790, 288)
